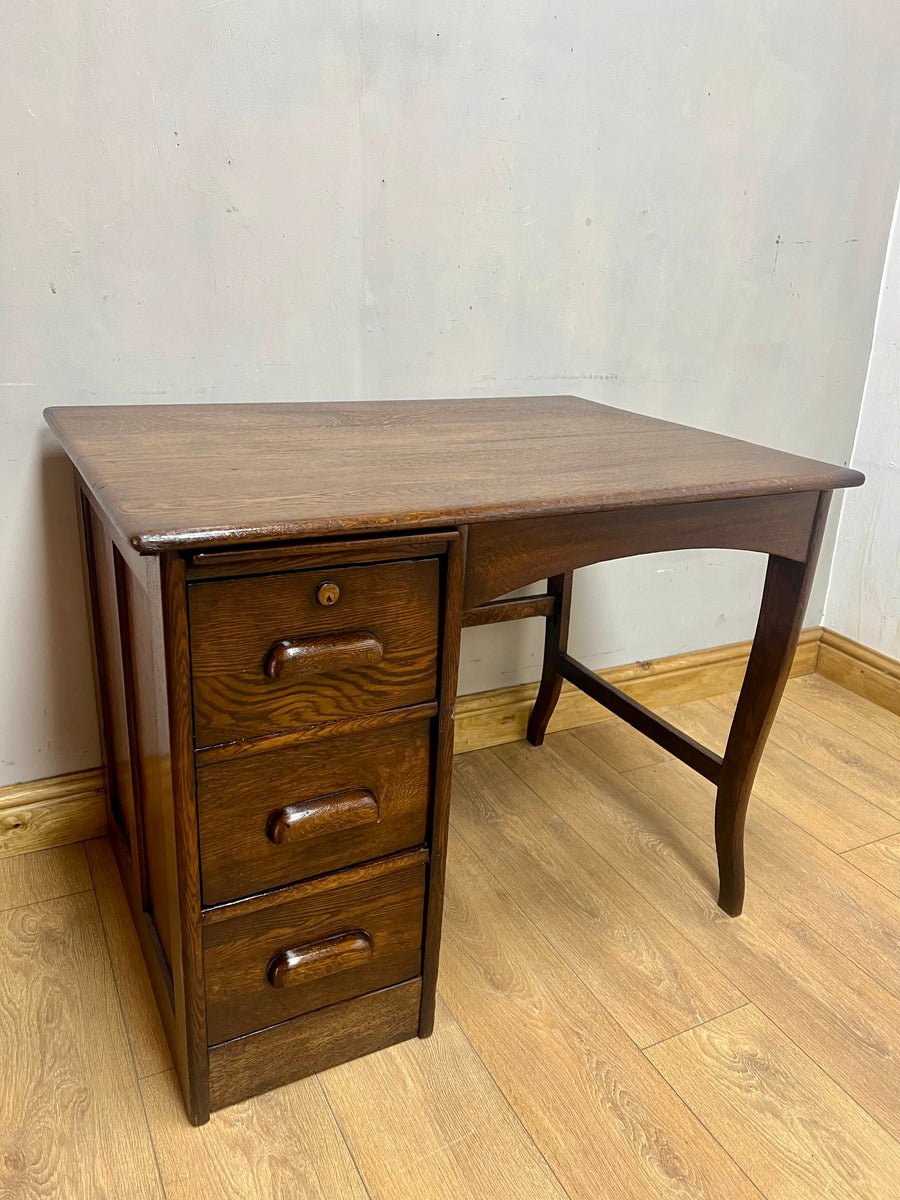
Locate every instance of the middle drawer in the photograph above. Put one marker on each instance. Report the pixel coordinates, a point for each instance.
(283, 815)
(273, 957)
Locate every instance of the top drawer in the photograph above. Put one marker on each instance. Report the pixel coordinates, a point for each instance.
(273, 652)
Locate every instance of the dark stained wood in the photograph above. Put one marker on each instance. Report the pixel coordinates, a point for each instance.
(278, 593)
(301, 556)
(140, 616)
(508, 610)
(241, 952)
(556, 637)
(439, 817)
(101, 667)
(334, 813)
(145, 690)
(507, 555)
(307, 888)
(180, 476)
(698, 757)
(233, 751)
(250, 839)
(313, 960)
(191, 1055)
(784, 600)
(323, 653)
(118, 755)
(236, 623)
(312, 1043)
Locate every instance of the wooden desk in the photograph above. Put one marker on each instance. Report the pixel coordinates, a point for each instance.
(277, 594)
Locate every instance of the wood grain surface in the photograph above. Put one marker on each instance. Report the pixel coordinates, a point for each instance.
(281, 1145)
(43, 875)
(316, 1041)
(236, 802)
(831, 1008)
(440, 1129)
(71, 1122)
(507, 555)
(647, 975)
(839, 902)
(871, 675)
(877, 726)
(235, 624)
(239, 952)
(880, 861)
(146, 1035)
(779, 1116)
(172, 476)
(52, 812)
(588, 1096)
(529, 1085)
(802, 790)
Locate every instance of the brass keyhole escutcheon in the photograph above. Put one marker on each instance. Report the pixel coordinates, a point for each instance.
(328, 593)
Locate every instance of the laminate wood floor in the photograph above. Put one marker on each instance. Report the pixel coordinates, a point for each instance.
(604, 1032)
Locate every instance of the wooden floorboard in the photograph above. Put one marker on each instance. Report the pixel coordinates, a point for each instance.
(586, 1094)
(283, 1144)
(789, 1126)
(880, 861)
(878, 726)
(71, 1121)
(842, 1018)
(840, 755)
(798, 785)
(849, 910)
(43, 875)
(142, 1021)
(638, 965)
(604, 1030)
(426, 1119)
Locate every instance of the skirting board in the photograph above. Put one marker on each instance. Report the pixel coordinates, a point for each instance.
(70, 808)
(859, 669)
(52, 812)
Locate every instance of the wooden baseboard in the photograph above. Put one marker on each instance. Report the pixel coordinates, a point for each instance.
(52, 812)
(491, 718)
(71, 808)
(859, 669)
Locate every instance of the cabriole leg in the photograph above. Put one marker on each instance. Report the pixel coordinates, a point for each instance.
(556, 636)
(784, 601)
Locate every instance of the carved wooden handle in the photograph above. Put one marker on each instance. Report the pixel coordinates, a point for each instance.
(323, 652)
(303, 964)
(324, 814)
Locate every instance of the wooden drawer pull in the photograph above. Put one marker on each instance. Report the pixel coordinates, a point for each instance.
(323, 652)
(303, 964)
(324, 814)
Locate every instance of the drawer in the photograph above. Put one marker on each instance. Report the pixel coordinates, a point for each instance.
(274, 652)
(304, 810)
(277, 956)
(315, 1042)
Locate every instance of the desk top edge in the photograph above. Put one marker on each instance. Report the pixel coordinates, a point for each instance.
(115, 482)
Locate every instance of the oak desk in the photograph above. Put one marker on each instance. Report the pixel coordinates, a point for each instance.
(277, 594)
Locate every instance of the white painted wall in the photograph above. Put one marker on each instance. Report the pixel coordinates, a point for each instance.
(863, 599)
(676, 206)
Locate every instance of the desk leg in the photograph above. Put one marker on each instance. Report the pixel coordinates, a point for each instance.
(784, 601)
(556, 637)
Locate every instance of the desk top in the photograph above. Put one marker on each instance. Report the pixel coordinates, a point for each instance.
(178, 476)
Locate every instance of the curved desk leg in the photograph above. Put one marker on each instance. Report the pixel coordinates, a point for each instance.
(556, 637)
(784, 600)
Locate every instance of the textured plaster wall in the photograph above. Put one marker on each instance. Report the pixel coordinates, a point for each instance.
(680, 208)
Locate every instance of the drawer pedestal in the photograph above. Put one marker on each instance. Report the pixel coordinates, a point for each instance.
(276, 728)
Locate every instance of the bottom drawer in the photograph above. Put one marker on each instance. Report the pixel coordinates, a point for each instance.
(273, 957)
(265, 1060)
